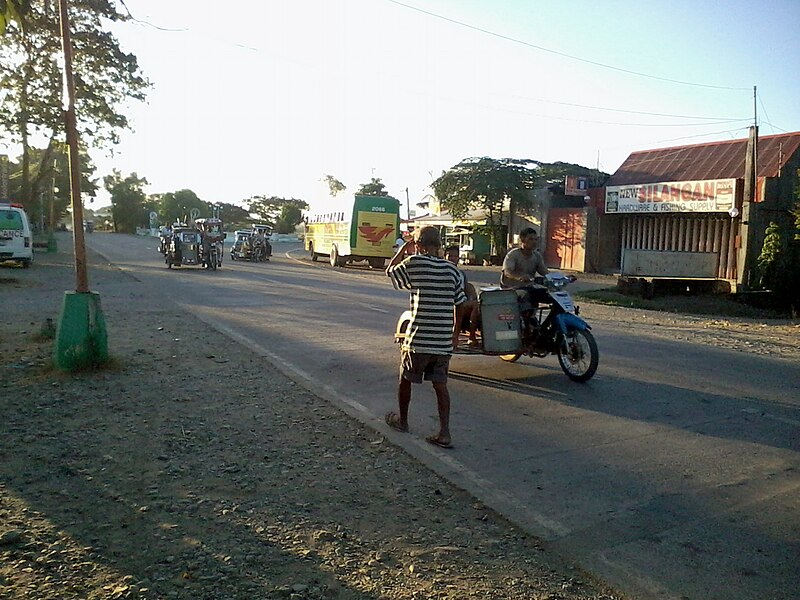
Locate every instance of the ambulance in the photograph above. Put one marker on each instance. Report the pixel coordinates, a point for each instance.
(16, 240)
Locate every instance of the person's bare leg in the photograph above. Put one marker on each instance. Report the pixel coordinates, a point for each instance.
(403, 400)
(443, 405)
(399, 420)
(474, 320)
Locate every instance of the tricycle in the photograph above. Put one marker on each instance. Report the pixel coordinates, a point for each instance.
(182, 247)
(212, 238)
(536, 320)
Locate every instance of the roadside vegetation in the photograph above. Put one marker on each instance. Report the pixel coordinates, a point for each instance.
(721, 305)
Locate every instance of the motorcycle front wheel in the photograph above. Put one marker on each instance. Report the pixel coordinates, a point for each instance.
(578, 354)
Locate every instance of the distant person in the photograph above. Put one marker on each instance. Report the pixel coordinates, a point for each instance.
(521, 266)
(472, 312)
(437, 293)
(404, 236)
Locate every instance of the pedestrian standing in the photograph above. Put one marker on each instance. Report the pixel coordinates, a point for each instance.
(437, 299)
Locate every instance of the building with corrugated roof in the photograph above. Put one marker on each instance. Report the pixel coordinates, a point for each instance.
(681, 212)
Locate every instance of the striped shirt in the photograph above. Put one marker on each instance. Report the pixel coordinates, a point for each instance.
(436, 287)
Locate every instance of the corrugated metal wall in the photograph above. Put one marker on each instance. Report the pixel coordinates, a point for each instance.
(685, 233)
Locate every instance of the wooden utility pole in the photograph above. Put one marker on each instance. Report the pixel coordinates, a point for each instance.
(82, 280)
(744, 259)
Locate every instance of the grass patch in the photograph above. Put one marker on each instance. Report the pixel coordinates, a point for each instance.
(711, 304)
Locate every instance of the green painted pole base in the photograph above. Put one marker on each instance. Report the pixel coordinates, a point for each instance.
(81, 339)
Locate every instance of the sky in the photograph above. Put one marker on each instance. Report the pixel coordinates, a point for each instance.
(267, 97)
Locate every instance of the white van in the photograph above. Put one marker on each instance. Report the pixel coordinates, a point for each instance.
(16, 241)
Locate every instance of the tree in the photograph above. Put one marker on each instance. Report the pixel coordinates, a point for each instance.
(334, 185)
(12, 10)
(487, 184)
(291, 217)
(52, 179)
(105, 78)
(772, 252)
(374, 188)
(275, 211)
(177, 206)
(234, 216)
(127, 200)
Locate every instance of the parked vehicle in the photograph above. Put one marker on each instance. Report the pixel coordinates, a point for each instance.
(16, 239)
(364, 229)
(535, 321)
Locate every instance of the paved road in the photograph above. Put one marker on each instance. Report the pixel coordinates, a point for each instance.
(674, 473)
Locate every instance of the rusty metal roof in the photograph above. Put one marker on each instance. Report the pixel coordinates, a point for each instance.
(717, 160)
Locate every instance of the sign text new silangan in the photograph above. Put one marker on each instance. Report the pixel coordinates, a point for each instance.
(712, 195)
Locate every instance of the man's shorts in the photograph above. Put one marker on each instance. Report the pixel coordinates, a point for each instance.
(416, 366)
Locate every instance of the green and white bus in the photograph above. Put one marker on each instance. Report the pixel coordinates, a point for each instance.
(363, 228)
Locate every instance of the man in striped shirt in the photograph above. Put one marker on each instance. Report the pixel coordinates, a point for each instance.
(437, 293)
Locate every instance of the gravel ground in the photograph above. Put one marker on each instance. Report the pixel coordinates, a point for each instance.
(191, 468)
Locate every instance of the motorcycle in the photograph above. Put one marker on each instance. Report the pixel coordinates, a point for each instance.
(212, 237)
(535, 321)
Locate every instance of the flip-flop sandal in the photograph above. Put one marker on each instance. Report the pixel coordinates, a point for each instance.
(393, 421)
(434, 439)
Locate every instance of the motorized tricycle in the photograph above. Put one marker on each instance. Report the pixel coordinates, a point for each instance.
(262, 248)
(183, 247)
(241, 249)
(212, 238)
(537, 320)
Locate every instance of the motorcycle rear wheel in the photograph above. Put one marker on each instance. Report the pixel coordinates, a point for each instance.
(578, 354)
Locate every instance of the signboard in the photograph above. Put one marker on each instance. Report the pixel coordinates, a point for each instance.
(576, 185)
(713, 195)
(3, 178)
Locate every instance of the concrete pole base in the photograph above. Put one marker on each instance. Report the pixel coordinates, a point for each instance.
(81, 339)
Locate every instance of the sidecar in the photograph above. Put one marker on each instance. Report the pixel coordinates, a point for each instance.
(183, 248)
(242, 248)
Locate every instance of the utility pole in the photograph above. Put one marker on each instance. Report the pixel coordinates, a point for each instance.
(81, 338)
(82, 280)
(743, 257)
(408, 207)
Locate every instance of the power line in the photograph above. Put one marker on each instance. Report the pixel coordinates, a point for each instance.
(764, 108)
(620, 110)
(574, 120)
(564, 54)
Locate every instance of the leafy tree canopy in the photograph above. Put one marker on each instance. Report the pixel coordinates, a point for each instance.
(177, 206)
(51, 178)
(13, 10)
(274, 210)
(234, 216)
(374, 188)
(105, 76)
(127, 200)
(485, 183)
(334, 185)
